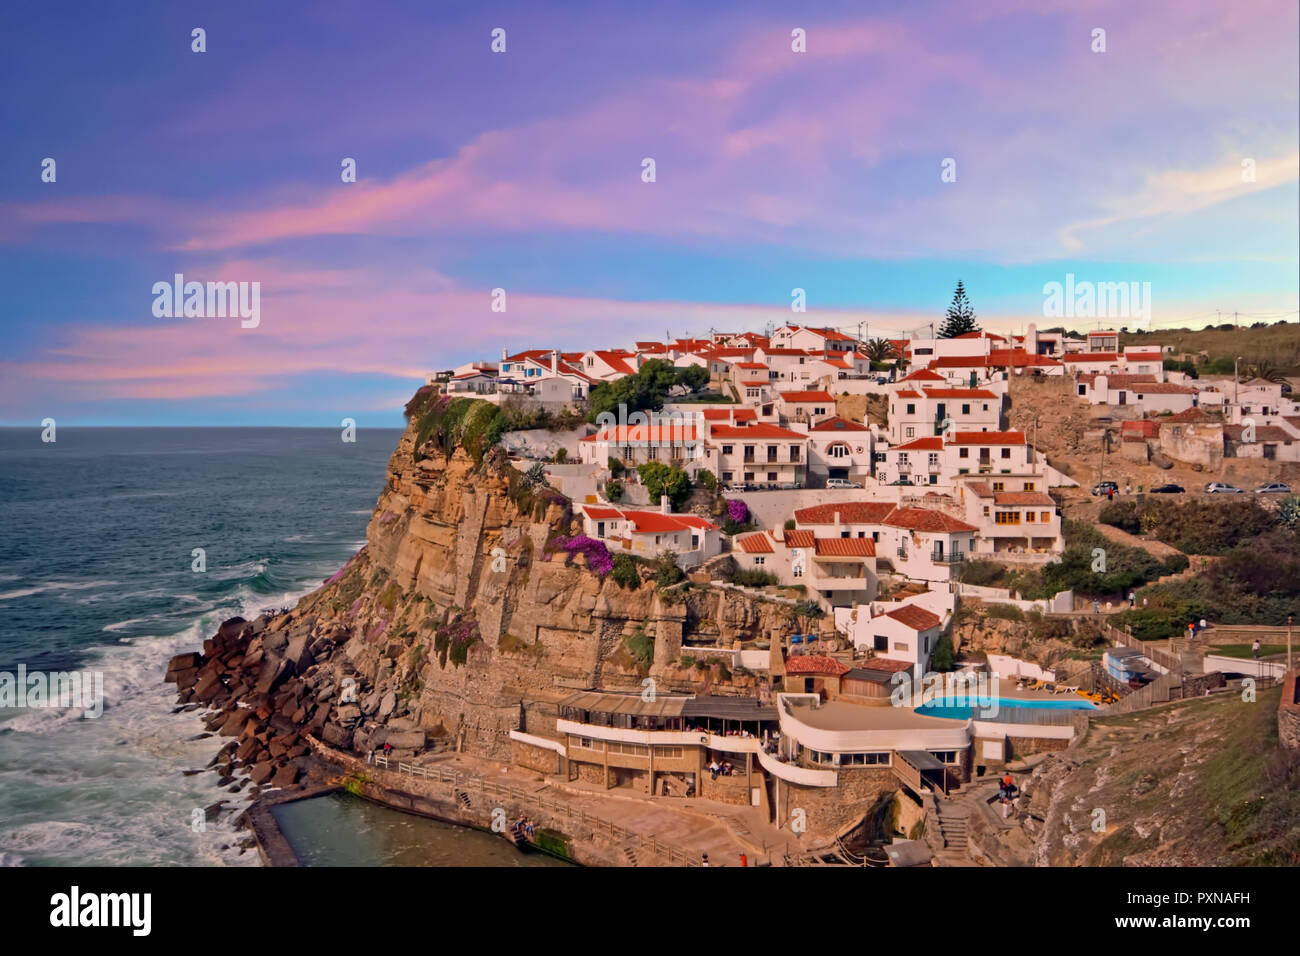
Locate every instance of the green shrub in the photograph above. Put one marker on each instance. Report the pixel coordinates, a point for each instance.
(753, 578)
(982, 573)
(616, 467)
(706, 479)
(625, 573)
(1124, 515)
(614, 490)
(943, 658)
(667, 572)
(1004, 612)
(790, 524)
(660, 479)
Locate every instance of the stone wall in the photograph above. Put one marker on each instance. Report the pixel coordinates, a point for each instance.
(831, 809)
(535, 758)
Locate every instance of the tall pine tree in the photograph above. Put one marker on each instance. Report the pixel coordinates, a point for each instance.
(960, 317)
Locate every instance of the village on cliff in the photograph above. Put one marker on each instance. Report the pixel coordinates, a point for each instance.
(852, 480)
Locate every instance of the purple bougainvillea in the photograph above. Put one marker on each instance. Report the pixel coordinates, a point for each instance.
(737, 510)
(598, 557)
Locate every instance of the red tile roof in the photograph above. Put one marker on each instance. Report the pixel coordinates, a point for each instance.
(601, 513)
(846, 547)
(615, 361)
(917, 618)
(923, 519)
(757, 430)
(814, 664)
(725, 414)
(850, 512)
(837, 424)
(923, 375)
(1163, 388)
(929, 443)
(799, 538)
(636, 434)
(959, 393)
(654, 522)
(987, 438)
(756, 543)
(812, 396)
(1073, 357)
(1037, 498)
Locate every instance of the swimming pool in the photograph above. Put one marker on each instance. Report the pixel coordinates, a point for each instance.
(963, 711)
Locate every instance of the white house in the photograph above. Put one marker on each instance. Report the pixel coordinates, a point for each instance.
(691, 539)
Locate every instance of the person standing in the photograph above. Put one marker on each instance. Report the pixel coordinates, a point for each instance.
(1254, 648)
(1132, 599)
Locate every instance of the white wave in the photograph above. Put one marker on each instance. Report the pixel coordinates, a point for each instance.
(55, 586)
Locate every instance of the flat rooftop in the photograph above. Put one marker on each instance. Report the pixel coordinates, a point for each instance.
(839, 716)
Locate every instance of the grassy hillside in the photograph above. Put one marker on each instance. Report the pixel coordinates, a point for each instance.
(1276, 344)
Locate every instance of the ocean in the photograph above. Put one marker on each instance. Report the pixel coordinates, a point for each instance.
(97, 574)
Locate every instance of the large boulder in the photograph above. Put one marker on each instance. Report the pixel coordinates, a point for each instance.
(406, 739)
(296, 653)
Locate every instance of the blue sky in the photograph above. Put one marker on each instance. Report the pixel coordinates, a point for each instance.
(522, 170)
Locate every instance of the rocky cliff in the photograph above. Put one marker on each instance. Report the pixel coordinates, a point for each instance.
(459, 621)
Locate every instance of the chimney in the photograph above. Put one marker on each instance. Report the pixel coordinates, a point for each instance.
(1031, 339)
(555, 362)
(837, 522)
(505, 353)
(664, 506)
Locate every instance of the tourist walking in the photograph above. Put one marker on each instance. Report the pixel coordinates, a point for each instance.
(1132, 599)
(1254, 648)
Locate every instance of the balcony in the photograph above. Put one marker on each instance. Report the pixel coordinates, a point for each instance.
(951, 557)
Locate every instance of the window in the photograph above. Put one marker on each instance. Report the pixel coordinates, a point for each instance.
(1006, 453)
(999, 486)
(838, 450)
(674, 752)
(934, 458)
(652, 452)
(771, 476)
(946, 756)
(900, 645)
(910, 433)
(864, 760)
(819, 411)
(794, 452)
(911, 408)
(1047, 516)
(902, 458)
(1029, 517)
(1029, 486)
(963, 453)
(726, 476)
(1006, 517)
(749, 476)
(727, 449)
(880, 643)
(797, 571)
(759, 559)
(965, 409)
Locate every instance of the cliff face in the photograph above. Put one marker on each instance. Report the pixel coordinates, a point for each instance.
(452, 625)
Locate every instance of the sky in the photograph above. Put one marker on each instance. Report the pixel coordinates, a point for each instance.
(909, 145)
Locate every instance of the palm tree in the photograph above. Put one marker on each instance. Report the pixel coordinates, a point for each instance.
(1263, 369)
(880, 350)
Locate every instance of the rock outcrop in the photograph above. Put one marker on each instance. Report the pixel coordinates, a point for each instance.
(451, 627)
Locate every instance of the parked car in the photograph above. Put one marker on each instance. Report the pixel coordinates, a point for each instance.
(1286, 388)
(1170, 489)
(841, 483)
(1105, 488)
(1274, 488)
(1220, 488)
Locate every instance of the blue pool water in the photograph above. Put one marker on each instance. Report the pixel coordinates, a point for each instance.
(1070, 702)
